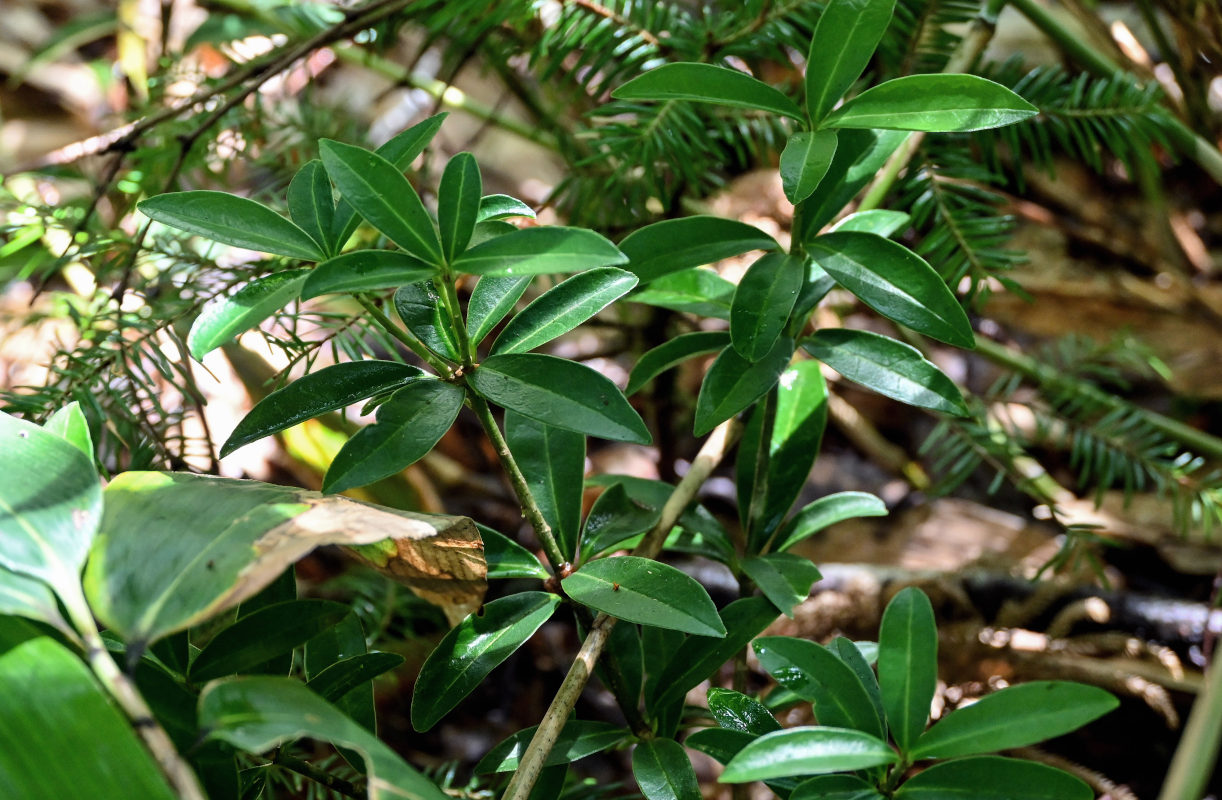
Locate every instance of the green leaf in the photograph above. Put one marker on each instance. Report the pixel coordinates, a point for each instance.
(733, 383)
(337, 680)
(694, 291)
(508, 559)
(908, 664)
(501, 206)
(784, 578)
(311, 205)
(762, 302)
(804, 162)
(256, 714)
(707, 83)
(807, 751)
(232, 220)
(324, 654)
(645, 591)
(720, 744)
(563, 307)
(625, 510)
(560, 393)
(60, 736)
(472, 649)
(845, 38)
(878, 221)
(855, 658)
(408, 425)
(423, 313)
(859, 157)
(69, 424)
(30, 598)
(828, 511)
(812, 672)
(226, 316)
(663, 771)
(993, 778)
(365, 271)
(264, 634)
(553, 462)
(672, 353)
(678, 244)
(578, 739)
(378, 191)
(491, 299)
(317, 393)
(895, 282)
(1016, 716)
(891, 368)
(835, 787)
(458, 203)
(736, 711)
(933, 103)
(539, 251)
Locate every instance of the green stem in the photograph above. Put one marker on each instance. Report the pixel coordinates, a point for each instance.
(1197, 751)
(321, 777)
(449, 295)
(402, 336)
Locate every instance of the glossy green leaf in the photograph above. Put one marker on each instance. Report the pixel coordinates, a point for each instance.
(332, 683)
(1016, 716)
(693, 291)
(472, 649)
(673, 352)
(502, 206)
(563, 307)
(458, 203)
(845, 38)
(804, 162)
(553, 462)
(645, 591)
(835, 787)
(891, 368)
(938, 102)
(895, 282)
(816, 287)
(784, 578)
(908, 664)
(365, 271)
(256, 714)
(29, 598)
(701, 533)
(232, 220)
(878, 221)
(491, 299)
(422, 311)
(311, 205)
(264, 634)
(615, 518)
(736, 711)
(828, 511)
(578, 739)
(508, 559)
(378, 191)
(720, 744)
(678, 244)
(707, 83)
(60, 735)
(408, 425)
(324, 656)
(560, 393)
(69, 424)
(622, 666)
(807, 751)
(993, 778)
(859, 157)
(762, 302)
(855, 659)
(663, 771)
(733, 383)
(832, 687)
(317, 393)
(539, 251)
(226, 316)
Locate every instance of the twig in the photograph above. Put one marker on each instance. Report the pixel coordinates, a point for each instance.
(322, 777)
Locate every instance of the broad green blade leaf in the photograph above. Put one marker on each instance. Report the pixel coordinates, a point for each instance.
(232, 220)
(736, 711)
(324, 654)
(501, 206)
(337, 680)
(733, 383)
(60, 736)
(458, 204)
(933, 103)
(859, 157)
(30, 598)
(993, 778)
(256, 714)
(560, 393)
(625, 510)
(707, 83)
(762, 302)
(539, 251)
(563, 307)
(828, 511)
(663, 771)
(553, 462)
(854, 657)
(720, 744)
(1016, 716)
(678, 244)
(784, 578)
(317, 393)
(69, 424)
(672, 353)
(508, 559)
(378, 191)
(835, 787)
(408, 425)
(225, 316)
(645, 591)
(895, 282)
(818, 284)
(845, 38)
(807, 751)
(622, 666)
(694, 291)
(422, 311)
(472, 649)
(311, 205)
(805, 161)
(365, 271)
(832, 687)
(491, 299)
(578, 739)
(891, 368)
(878, 221)
(264, 634)
(908, 664)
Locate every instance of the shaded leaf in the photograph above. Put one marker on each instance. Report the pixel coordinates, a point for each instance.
(707, 83)
(993, 778)
(562, 308)
(645, 591)
(832, 687)
(828, 511)
(805, 161)
(423, 313)
(807, 751)
(578, 739)
(311, 206)
(784, 578)
(332, 683)
(225, 316)
(491, 299)
(458, 203)
(733, 383)
(694, 291)
(663, 771)
(29, 598)
(365, 271)
(231, 220)
(508, 559)
(678, 244)
(835, 787)
(908, 664)
(720, 744)
(264, 634)
(672, 353)
(553, 462)
(539, 251)
(762, 302)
